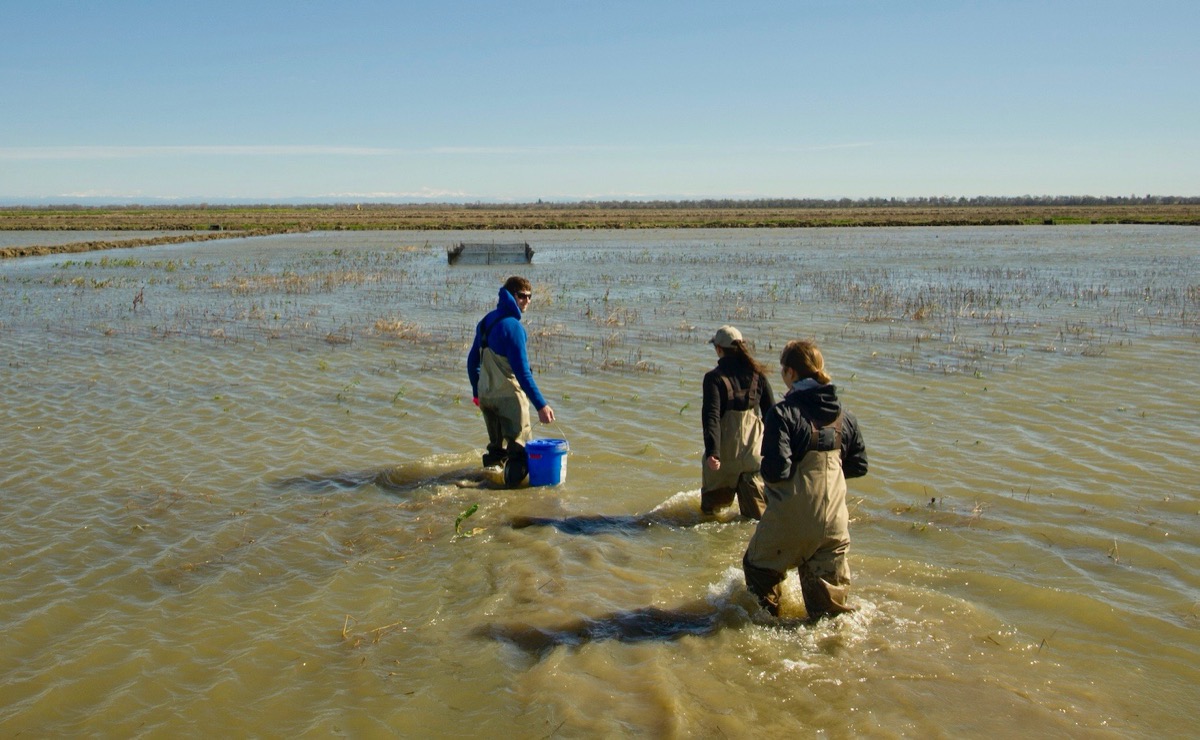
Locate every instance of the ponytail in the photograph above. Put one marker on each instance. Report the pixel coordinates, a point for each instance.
(802, 356)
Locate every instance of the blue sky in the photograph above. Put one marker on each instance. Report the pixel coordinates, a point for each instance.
(515, 101)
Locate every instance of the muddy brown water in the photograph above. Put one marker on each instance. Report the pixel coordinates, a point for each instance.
(232, 473)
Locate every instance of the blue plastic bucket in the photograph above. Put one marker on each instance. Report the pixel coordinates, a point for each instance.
(547, 461)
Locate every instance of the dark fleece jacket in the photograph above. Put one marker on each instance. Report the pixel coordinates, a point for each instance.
(790, 425)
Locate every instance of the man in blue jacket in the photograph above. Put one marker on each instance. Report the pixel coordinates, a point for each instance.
(502, 383)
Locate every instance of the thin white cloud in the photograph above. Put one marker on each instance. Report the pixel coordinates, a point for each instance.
(140, 152)
(87, 194)
(423, 194)
(67, 153)
(137, 152)
(830, 147)
(800, 148)
(511, 150)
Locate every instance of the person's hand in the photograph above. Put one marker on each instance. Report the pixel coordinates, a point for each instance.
(475, 400)
(546, 414)
(713, 462)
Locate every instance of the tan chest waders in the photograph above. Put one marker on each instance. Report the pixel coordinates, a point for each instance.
(739, 451)
(806, 526)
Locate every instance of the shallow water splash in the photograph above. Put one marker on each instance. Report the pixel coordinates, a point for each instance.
(233, 470)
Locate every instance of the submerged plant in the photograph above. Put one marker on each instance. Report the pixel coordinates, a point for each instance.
(463, 517)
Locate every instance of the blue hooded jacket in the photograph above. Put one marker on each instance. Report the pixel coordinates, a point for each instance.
(505, 337)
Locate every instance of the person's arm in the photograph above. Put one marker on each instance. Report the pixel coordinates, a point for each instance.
(473, 361)
(776, 447)
(710, 416)
(519, 361)
(766, 401)
(854, 449)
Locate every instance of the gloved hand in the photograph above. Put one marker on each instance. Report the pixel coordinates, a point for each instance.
(475, 400)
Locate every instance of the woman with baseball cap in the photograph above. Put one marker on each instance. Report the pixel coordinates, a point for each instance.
(737, 396)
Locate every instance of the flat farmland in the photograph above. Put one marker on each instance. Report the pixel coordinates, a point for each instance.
(215, 222)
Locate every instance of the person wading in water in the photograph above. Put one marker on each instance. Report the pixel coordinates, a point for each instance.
(736, 398)
(810, 446)
(502, 382)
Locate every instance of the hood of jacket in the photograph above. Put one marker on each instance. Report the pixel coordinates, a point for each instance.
(816, 402)
(506, 304)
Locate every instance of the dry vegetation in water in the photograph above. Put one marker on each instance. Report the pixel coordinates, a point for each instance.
(622, 312)
(218, 222)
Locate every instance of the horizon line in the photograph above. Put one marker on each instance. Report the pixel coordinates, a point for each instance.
(459, 199)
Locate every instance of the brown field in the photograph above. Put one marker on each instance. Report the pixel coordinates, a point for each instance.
(216, 222)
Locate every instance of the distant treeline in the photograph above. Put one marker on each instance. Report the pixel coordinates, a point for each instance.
(982, 201)
(944, 201)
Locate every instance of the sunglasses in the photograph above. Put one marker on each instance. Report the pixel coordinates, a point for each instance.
(524, 296)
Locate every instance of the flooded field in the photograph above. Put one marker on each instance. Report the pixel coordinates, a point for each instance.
(55, 238)
(236, 474)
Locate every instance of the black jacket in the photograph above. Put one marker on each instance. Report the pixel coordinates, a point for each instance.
(716, 398)
(788, 429)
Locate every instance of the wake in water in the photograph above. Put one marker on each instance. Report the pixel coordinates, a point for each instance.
(731, 606)
(728, 605)
(400, 479)
(680, 510)
(637, 625)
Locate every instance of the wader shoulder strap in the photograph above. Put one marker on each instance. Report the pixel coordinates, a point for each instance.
(749, 395)
(832, 441)
(485, 330)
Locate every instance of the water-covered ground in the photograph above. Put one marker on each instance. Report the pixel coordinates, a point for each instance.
(233, 473)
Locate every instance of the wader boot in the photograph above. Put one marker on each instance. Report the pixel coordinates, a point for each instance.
(822, 598)
(516, 468)
(495, 457)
